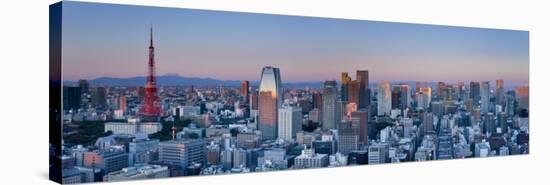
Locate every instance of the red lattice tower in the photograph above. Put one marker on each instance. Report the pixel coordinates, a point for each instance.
(151, 108)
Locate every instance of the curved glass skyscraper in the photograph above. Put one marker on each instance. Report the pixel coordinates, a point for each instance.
(269, 100)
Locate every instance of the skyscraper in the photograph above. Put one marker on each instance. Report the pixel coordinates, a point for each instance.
(245, 85)
(354, 92)
(345, 80)
(151, 109)
(84, 86)
(364, 92)
(485, 95)
(499, 92)
(71, 98)
(440, 87)
(99, 97)
(474, 92)
(290, 122)
(522, 93)
(348, 135)
(330, 105)
(400, 97)
(362, 117)
(384, 99)
(269, 100)
(122, 103)
(426, 97)
(317, 99)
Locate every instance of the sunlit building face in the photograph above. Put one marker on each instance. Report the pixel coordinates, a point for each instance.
(271, 81)
(269, 101)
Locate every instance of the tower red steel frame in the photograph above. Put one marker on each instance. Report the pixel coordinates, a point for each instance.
(151, 108)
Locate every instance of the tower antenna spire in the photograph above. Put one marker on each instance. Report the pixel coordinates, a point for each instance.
(151, 36)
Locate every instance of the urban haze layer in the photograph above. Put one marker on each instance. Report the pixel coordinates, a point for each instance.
(114, 133)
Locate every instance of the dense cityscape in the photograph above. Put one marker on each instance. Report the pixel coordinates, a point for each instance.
(114, 133)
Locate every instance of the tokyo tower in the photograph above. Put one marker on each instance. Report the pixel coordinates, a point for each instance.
(151, 108)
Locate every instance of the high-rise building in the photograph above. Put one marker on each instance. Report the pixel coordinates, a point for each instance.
(354, 92)
(489, 123)
(183, 152)
(510, 106)
(400, 97)
(290, 122)
(364, 91)
(122, 103)
(440, 87)
(84, 86)
(245, 89)
(445, 144)
(345, 80)
(315, 115)
(270, 99)
(499, 92)
(502, 118)
(522, 93)
(475, 89)
(447, 93)
(384, 99)
(348, 135)
(99, 97)
(428, 123)
(317, 99)
(331, 115)
(427, 91)
(485, 96)
(71, 98)
(253, 100)
(362, 117)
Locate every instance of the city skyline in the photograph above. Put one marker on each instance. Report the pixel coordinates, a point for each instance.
(451, 54)
(356, 113)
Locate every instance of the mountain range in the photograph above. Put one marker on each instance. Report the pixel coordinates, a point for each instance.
(177, 80)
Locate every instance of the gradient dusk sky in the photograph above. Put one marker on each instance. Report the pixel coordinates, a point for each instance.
(111, 40)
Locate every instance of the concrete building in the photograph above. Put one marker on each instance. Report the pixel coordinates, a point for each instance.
(384, 99)
(183, 152)
(142, 151)
(108, 161)
(331, 112)
(138, 172)
(485, 97)
(377, 154)
(290, 122)
(310, 159)
(133, 126)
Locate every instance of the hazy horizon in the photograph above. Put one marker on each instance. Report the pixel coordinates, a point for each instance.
(235, 46)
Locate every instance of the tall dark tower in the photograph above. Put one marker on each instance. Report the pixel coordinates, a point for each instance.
(151, 110)
(364, 92)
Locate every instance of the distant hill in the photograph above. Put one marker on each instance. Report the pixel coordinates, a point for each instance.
(177, 80)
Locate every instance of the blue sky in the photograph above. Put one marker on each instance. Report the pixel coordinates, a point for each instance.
(112, 40)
